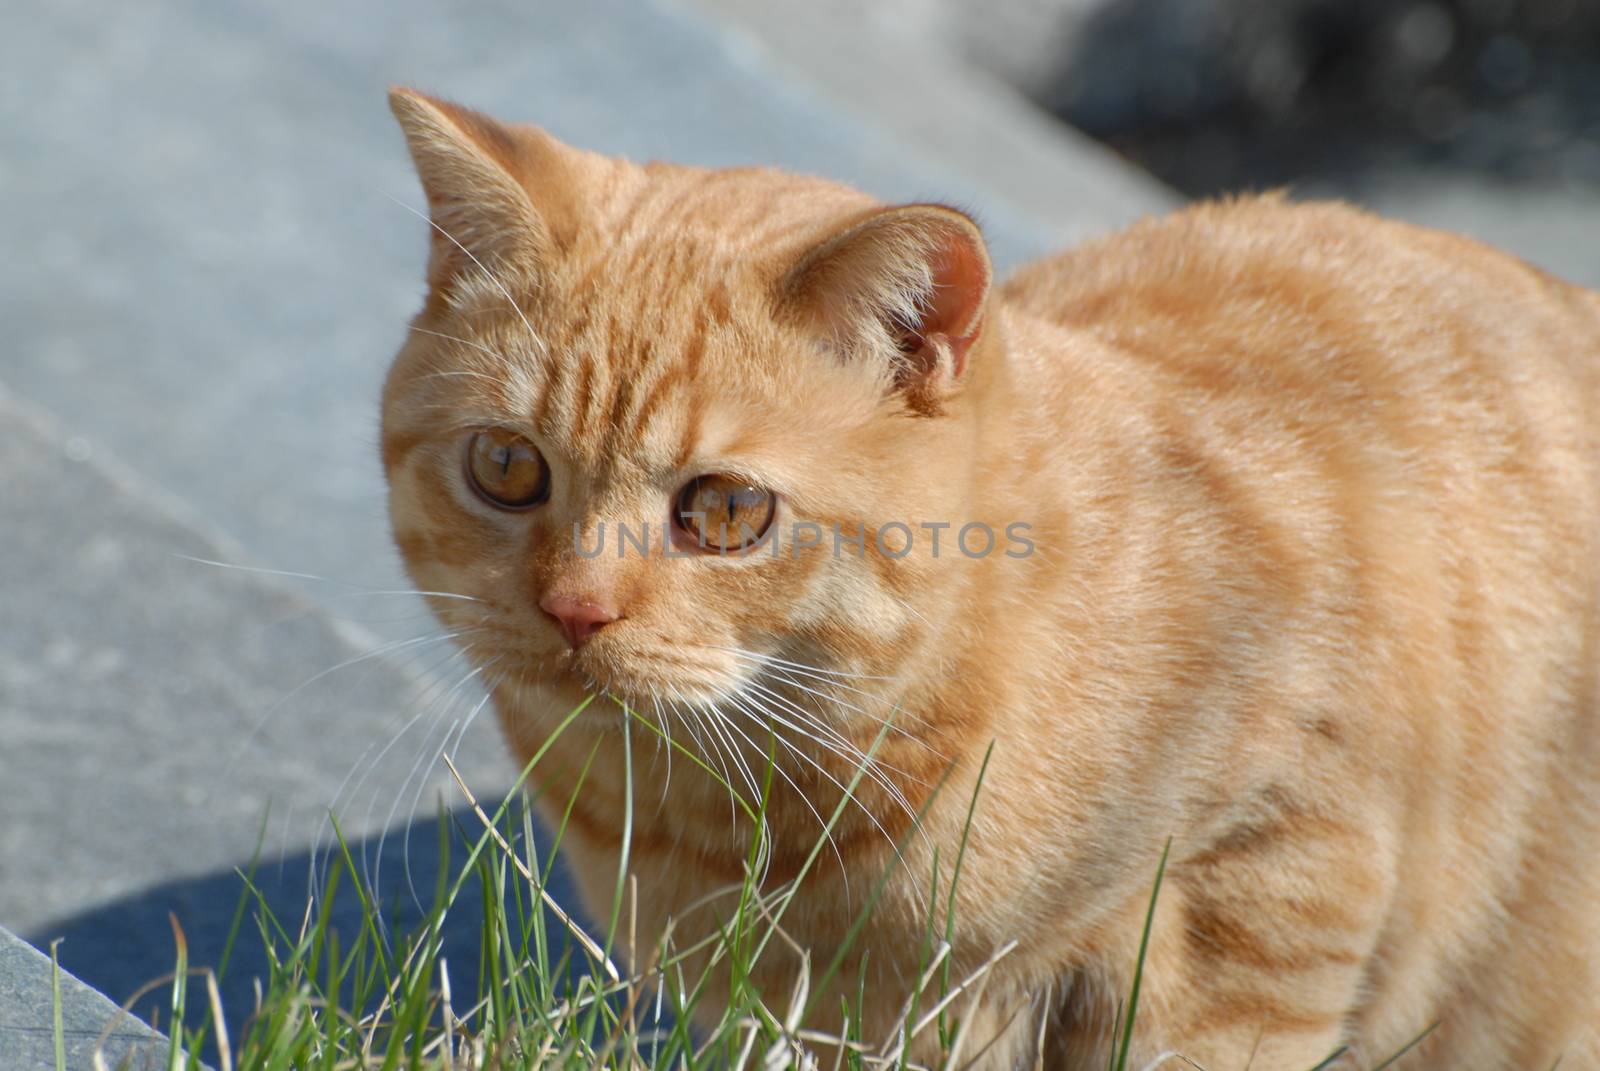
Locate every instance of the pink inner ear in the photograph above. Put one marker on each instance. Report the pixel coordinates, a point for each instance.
(954, 311)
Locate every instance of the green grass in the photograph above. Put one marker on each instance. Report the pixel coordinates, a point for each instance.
(549, 994)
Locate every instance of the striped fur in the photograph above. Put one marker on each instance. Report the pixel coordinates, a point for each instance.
(1315, 503)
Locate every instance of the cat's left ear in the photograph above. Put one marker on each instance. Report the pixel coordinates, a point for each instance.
(907, 286)
(473, 171)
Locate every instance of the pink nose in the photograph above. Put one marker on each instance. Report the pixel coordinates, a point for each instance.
(578, 619)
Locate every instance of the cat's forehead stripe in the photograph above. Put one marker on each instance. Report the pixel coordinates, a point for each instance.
(619, 380)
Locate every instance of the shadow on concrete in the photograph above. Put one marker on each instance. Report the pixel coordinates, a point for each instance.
(121, 946)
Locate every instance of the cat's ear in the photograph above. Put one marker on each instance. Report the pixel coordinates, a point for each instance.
(471, 167)
(908, 285)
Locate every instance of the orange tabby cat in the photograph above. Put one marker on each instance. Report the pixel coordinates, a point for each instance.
(1294, 518)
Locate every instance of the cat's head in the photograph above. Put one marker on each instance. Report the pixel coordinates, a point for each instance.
(662, 425)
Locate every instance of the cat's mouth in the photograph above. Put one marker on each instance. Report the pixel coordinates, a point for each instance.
(640, 678)
(634, 666)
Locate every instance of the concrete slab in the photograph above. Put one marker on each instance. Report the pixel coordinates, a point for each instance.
(156, 713)
(88, 1020)
(1554, 228)
(928, 73)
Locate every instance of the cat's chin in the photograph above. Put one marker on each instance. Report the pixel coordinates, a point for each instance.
(645, 677)
(605, 699)
(551, 702)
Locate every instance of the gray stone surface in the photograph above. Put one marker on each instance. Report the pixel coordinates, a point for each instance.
(1557, 229)
(929, 73)
(1017, 40)
(88, 1020)
(159, 717)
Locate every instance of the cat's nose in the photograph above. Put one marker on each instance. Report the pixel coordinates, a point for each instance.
(578, 619)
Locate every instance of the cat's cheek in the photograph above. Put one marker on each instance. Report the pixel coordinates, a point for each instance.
(859, 617)
(451, 543)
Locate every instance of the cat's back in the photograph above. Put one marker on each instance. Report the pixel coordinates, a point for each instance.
(1404, 359)
(1264, 286)
(1407, 421)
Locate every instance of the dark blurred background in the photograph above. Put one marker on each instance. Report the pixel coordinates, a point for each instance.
(1214, 96)
(1479, 116)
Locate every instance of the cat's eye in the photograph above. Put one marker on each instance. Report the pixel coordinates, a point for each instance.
(723, 514)
(506, 469)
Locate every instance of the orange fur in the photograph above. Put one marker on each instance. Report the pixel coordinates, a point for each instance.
(1315, 502)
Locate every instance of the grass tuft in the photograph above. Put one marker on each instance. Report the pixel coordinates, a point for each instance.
(549, 994)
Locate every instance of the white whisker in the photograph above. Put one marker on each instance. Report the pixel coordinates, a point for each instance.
(424, 705)
(386, 650)
(822, 823)
(713, 754)
(764, 714)
(496, 354)
(356, 589)
(532, 334)
(371, 764)
(764, 854)
(785, 670)
(907, 734)
(844, 748)
(809, 669)
(418, 773)
(719, 726)
(445, 748)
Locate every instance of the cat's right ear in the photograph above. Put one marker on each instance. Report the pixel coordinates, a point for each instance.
(471, 167)
(906, 289)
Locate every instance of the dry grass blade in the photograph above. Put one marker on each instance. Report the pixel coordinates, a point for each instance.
(447, 1013)
(1170, 1054)
(125, 1011)
(214, 999)
(566, 920)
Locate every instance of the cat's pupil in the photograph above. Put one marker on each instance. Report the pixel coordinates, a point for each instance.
(506, 469)
(722, 513)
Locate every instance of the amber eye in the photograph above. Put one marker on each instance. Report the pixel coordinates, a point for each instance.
(507, 469)
(723, 513)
